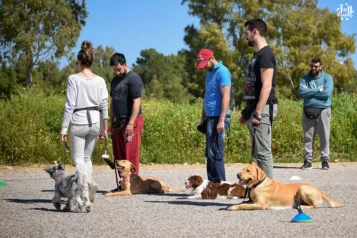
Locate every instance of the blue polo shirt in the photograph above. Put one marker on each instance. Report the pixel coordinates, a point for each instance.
(215, 79)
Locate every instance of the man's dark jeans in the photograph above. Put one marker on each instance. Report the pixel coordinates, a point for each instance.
(215, 150)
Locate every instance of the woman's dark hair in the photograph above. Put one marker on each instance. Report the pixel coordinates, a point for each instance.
(258, 24)
(85, 55)
(117, 58)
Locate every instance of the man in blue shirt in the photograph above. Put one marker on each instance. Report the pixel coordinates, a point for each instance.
(216, 111)
(316, 89)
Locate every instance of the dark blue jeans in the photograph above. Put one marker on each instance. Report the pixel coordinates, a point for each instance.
(215, 150)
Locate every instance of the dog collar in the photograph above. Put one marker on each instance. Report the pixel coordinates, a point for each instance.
(260, 182)
(59, 176)
(247, 190)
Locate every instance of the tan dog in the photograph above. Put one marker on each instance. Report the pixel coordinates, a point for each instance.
(269, 194)
(132, 183)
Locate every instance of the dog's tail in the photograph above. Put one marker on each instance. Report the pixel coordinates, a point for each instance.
(331, 202)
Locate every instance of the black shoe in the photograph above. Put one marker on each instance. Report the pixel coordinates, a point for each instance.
(325, 165)
(307, 165)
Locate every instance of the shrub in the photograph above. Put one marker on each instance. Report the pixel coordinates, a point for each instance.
(31, 122)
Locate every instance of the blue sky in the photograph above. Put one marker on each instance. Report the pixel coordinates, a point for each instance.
(134, 25)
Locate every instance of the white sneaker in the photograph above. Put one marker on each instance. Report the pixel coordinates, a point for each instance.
(92, 191)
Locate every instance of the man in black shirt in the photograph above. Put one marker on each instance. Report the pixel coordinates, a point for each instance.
(259, 94)
(126, 119)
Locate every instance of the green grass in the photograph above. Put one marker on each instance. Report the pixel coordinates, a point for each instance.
(31, 122)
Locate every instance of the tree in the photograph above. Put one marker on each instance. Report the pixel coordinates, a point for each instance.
(163, 73)
(48, 77)
(40, 29)
(298, 32)
(101, 65)
(155, 88)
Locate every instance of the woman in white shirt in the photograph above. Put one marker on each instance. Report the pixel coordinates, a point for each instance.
(86, 111)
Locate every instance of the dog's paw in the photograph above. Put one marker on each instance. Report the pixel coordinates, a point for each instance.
(108, 194)
(233, 208)
(57, 205)
(192, 197)
(66, 209)
(77, 210)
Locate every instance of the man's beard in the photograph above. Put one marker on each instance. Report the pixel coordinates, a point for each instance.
(250, 43)
(316, 73)
(122, 75)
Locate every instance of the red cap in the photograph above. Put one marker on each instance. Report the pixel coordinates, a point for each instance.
(202, 58)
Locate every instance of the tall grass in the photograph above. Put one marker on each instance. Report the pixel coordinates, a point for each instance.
(31, 122)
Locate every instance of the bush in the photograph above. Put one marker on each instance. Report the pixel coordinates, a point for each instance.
(31, 122)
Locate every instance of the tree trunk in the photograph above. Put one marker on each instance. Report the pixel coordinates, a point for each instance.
(29, 76)
(29, 67)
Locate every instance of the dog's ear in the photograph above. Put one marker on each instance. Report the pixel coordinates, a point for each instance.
(61, 166)
(197, 180)
(132, 167)
(260, 173)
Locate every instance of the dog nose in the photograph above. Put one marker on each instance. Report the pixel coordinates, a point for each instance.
(238, 176)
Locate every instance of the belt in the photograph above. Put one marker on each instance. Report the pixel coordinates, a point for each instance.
(217, 117)
(87, 108)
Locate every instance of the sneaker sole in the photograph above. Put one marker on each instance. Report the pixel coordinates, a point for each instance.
(92, 192)
(325, 168)
(307, 168)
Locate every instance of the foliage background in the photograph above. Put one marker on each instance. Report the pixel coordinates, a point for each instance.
(35, 34)
(31, 122)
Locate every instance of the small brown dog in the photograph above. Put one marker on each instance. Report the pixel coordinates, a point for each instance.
(270, 194)
(132, 183)
(202, 188)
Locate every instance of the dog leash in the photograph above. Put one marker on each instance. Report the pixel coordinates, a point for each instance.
(65, 153)
(110, 163)
(66, 148)
(247, 190)
(253, 147)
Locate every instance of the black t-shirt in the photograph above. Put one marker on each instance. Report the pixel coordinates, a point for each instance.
(123, 91)
(264, 58)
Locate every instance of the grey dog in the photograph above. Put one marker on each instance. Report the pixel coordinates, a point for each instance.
(74, 187)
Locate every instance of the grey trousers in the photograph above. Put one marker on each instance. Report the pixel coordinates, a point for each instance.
(320, 125)
(83, 139)
(261, 140)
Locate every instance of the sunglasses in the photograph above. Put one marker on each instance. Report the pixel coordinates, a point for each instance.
(315, 66)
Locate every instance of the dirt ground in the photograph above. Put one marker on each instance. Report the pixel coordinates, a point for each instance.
(39, 167)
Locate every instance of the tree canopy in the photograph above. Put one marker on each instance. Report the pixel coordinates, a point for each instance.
(34, 34)
(298, 31)
(40, 29)
(163, 76)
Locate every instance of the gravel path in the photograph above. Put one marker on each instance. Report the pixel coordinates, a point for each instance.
(26, 209)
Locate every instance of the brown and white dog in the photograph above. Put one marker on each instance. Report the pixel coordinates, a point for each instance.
(202, 188)
(132, 183)
(266, 193)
